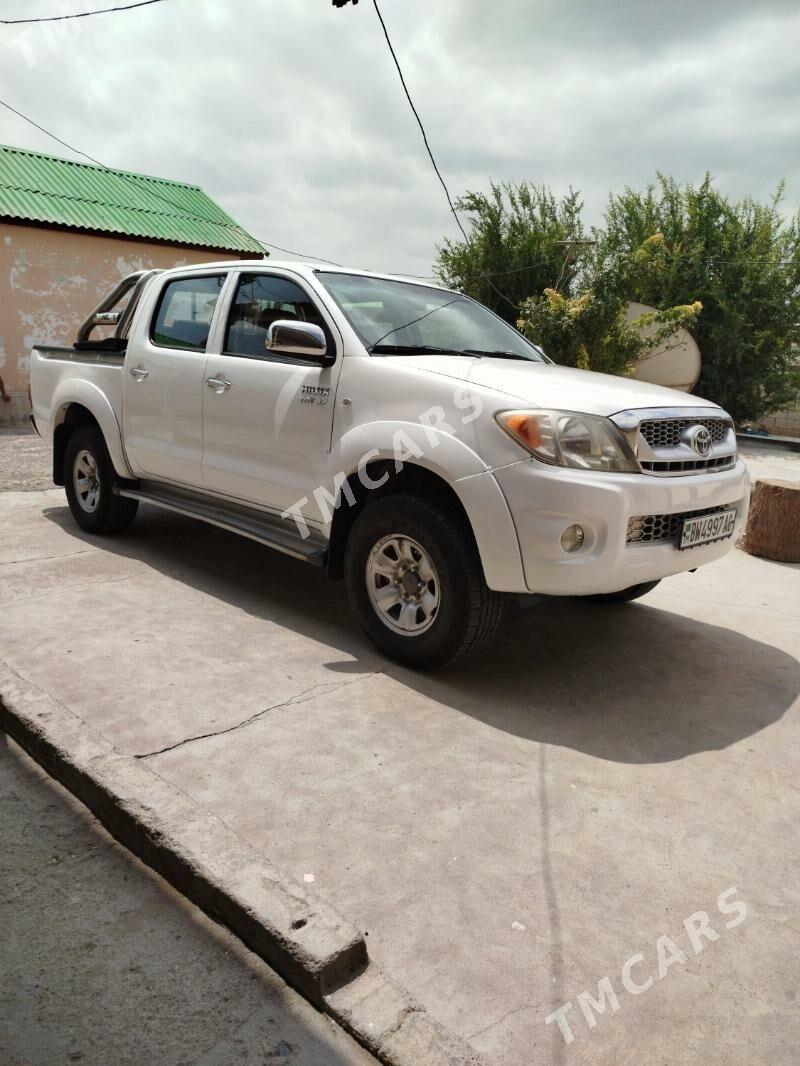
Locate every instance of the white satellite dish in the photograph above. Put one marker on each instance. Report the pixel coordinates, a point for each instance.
(675, 363)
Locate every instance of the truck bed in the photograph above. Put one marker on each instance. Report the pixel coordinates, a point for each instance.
(61, 375)
(94, 356)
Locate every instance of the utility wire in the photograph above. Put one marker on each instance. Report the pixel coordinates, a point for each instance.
(131, 179)
(139, 184)
(313, 258)
(714, 260)
(419, 120)
(269, 244)
(499, 273)
(78, 14)
(428, 147)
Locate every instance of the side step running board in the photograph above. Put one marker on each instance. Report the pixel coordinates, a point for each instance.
(267, 529)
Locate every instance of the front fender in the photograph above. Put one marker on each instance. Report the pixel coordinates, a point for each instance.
(461, 468)
(88, 395)
(437, 451)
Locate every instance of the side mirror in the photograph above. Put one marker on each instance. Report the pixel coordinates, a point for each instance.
(287, 337)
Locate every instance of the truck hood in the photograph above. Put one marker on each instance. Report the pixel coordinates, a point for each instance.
(550, 386)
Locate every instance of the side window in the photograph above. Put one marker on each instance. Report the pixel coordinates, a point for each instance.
(260, 300)
(184, 313)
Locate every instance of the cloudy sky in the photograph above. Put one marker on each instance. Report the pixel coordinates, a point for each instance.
(290, 112)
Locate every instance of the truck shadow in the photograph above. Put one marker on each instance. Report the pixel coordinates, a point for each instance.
(630, 684)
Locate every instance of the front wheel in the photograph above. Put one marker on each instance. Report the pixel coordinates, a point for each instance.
(415, 582)
(90, 480)
(633, 592)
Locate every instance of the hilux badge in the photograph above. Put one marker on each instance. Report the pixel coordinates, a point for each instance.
(317, 394)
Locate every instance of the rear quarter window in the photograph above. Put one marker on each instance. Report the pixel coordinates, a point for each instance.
(185, 312)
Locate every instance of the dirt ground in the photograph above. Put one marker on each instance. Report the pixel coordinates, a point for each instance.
(25, 461)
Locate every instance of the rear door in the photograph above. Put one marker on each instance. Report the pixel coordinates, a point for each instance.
(164, 380)
(267, 423)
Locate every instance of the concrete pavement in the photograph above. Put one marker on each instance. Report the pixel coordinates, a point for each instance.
(506, 834)
(771, 462)
(102, 962)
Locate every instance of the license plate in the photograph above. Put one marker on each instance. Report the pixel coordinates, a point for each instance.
(707, 527)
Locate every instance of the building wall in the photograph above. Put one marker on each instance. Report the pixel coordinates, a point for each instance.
(783, 423)
(49, 282)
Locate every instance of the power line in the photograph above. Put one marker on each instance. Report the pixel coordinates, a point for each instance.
(78, 14)
(714, 260)
(502, 295)
(315, 258)
(490, 274)
(419, 120)
(132, 180)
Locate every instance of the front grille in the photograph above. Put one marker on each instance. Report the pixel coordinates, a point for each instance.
(652, 528)
(677, 466)
(666, 433)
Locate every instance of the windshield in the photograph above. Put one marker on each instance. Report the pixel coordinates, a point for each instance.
(397, 317)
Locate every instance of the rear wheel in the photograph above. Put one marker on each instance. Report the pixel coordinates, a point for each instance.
(90, 479)
(416, 584)
(625, 595)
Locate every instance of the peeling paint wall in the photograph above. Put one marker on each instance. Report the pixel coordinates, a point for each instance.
(49, 282)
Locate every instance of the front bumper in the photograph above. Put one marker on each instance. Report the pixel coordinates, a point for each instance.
(545, 500)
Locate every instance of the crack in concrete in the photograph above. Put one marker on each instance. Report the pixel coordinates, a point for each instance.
(48, 558)
(302, 697)
(491, 1025)
(66, 588)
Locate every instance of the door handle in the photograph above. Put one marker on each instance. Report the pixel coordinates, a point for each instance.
(218, 383)
(139, 373)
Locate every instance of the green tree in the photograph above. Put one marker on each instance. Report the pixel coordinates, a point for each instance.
(675, 244)
(514, 234)
(527, 260)
(590, 330)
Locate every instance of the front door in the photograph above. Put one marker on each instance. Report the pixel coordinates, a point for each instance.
(164, 382)
(267, 421)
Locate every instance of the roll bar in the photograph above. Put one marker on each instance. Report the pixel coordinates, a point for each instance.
(104, 316)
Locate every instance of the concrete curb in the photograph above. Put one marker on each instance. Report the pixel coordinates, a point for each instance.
(307, 942)
(770, 440)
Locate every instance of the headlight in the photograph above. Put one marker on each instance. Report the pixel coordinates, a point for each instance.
(566, 438)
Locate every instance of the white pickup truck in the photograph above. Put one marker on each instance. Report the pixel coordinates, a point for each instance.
(397, 434)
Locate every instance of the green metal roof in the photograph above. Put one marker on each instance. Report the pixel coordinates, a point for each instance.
(46, 189)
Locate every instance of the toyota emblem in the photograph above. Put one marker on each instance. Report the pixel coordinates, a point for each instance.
(700, 440)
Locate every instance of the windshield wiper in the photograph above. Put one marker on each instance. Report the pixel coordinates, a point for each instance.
(411, 349)
(499, 354)
(429, 349)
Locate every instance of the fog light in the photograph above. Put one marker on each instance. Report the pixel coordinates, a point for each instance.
(572, 538)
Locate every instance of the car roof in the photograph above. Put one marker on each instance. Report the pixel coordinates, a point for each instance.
(301, 266)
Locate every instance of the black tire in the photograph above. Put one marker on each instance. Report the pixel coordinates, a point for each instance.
(111, 513)
(625, 595)
(467, 612)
